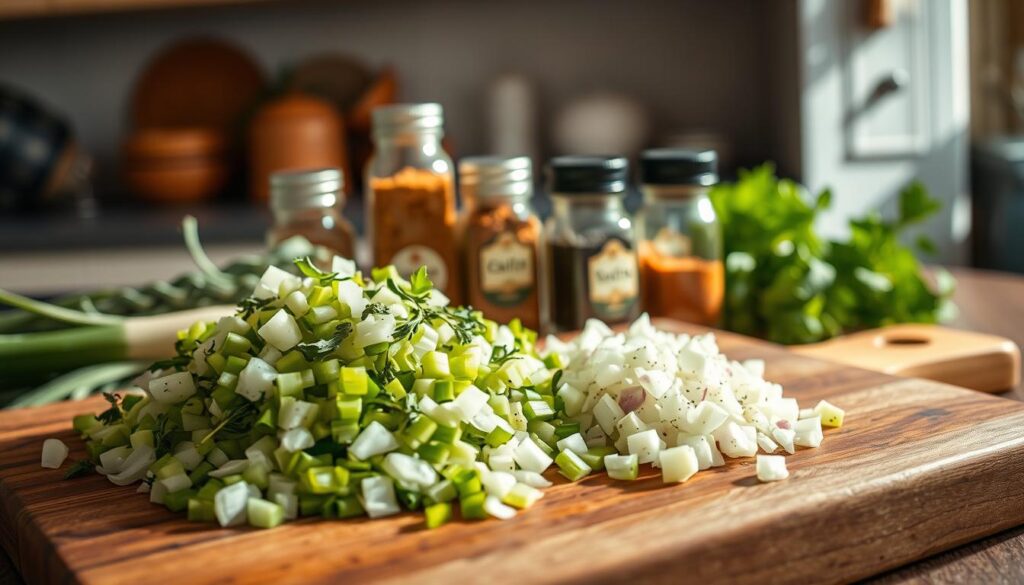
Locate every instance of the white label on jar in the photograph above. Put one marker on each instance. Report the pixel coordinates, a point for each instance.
(410, 258)
(506, 270)
(613, 279)
(671, 243)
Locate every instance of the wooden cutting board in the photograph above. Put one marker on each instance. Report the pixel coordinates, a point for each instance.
(919, 467)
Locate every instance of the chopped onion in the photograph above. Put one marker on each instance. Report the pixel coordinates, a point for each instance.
(54, 453)
(771, 468)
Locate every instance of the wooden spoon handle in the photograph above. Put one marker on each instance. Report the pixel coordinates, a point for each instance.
(987, 363)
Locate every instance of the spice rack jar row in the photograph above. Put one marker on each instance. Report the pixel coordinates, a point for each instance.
(591, 259)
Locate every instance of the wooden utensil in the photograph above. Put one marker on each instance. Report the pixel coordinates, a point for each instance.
(978, 361)
(175, 165)
(917, 468)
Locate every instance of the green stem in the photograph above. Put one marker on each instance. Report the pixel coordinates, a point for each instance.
(190, 229)
(55, 312)
(83, 379)
(60, 351)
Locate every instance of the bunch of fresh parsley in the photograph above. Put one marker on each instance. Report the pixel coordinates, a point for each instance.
(788, 284)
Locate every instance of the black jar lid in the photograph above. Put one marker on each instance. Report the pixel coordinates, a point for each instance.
(588, 174)
(677, 166)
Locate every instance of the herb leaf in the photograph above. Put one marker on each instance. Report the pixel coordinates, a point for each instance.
(79, 468)
(310, 270)
(320, 349)
(114, 413)
(251, 305)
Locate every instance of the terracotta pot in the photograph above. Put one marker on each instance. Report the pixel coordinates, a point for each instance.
(292, 133)
(175, 165)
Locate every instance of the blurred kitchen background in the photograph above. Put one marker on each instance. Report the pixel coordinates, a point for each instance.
(117, 117)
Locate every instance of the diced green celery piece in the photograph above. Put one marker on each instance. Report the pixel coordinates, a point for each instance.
(344, 433)
(193, 405)
(312, 504)
(348, 507)
(447, 435)
(566, 429)
(443, 391)
(232, 479)
(423, 386)
(553, 361)
(201, 510)
(178, 501)
(472, 506)
(264, 514)
(395, 389)
(419, 431)
(465, 366)
(354, 381)
(323, 479)
(327, 371)
(499, 436)
(468, 482)
(543, 445)
(572, 466)
(594, 457)
(232, 448)
(85, 422)
(442, 491)
(410, 500)
(349, 408)
(390, 420)
(293, 361)
(289, 385)
(320, 296)
(538, 409)
(624, 467)
(437, 514)
(118, 435)
(234, 344)
(376, 348)
(257, 475)
(166, 459)
(267, 420)
(435, 365)
(209, 489)
(201, 472)
(544, 430)
(224, 396)
(141, 437)
(235, 364)
(217, 362)
(434, 452)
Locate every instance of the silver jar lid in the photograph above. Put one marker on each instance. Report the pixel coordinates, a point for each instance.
(399, 118)
(498, 176)
(306, 189)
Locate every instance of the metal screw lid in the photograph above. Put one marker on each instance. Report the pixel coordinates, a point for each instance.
(677, 166)
(306, 189)
(399, 118)
(585, 175)
(497, 176)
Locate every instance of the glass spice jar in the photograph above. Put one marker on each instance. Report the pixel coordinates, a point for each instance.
(308, 204)
(410, 207)
(591, 258)
(501, 238)
(682, 273)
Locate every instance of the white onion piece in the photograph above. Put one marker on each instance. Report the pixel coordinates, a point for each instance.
(172, 389)
(229, 504)
(54, 453)
(379, 496)
(373, 440)
(771, 468)
(281, 331)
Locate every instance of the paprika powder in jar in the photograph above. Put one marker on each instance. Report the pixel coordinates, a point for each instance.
(680, 240)
(411, 220)
(502, 238)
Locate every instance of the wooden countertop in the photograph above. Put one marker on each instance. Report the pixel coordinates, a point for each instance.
(989, 302)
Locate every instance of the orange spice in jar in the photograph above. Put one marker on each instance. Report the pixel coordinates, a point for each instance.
(411, 220)
(682, 273)
(502, 239)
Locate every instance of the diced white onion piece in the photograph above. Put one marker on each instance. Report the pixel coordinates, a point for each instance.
(645, 445)
(531, 478)
(498, 483)
(701, 449)
(172, 389)
(112, 461)
(374, 329)
(808, 432)
(409, 470)
(678, 464)
(530, 457)
(704, 419)
(281, 331)
(343, 267)
(607, 413)
(351, 294)
(771, 468)
(256, 379)
(157, 491)
(296, 413)
(655, 382)
(135, 466)
(176, 483)
(785, 438)
(373, 440)
(470, 401)
(297, 303)
(229, 504)
(379, 496)
(807, 413)
(216, 457)
(494, 507)
(270, 283)
(766, 443)
(620, 466)
(574, 443)
(54, 453)
(296, 440)
(734, 441)
(188, 455)
(290, 503)
(232, 467)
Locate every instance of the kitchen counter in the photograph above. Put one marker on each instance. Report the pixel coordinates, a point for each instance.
(989, 302)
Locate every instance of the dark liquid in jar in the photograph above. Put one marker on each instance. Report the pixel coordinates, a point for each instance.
(571, 304)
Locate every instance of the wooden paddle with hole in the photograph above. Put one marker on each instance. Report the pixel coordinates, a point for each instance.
(987, 363)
